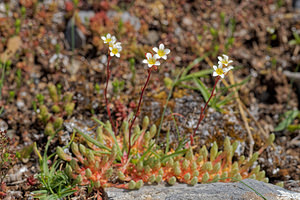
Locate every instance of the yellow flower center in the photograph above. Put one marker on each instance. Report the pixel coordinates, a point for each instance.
(111, 45)
(225, 63)
(151, 61)
(108, 40)
(219, 71)
(161, 52)
(114, 50)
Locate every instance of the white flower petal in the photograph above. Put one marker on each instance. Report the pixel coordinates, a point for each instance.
(229, 68)
(110, 48)
(225, 70)
(157, 63)
(220, 58)
(215, 74)
(225, 56)
(222, 75)
(230, 61)
(118, 55)
(164, 57)
(167, 51)
(161, 46)
(111, 54)
(145, 61)
(155, 49)
(108, 35)
(156, 56)
(148, 55)
(215, 67)
(103, 38)
(149, 65)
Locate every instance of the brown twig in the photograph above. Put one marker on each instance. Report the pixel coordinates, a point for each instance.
(138, 110)
(105, 95)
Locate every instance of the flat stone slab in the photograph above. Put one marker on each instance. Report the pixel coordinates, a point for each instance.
(213, 191)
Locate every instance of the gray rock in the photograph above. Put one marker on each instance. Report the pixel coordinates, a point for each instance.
(79, 37)
(85, 16)
(213, 191)
(3, 125)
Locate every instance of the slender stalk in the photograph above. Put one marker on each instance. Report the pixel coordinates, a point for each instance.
(137, 111)
(203, 110)
(105, 94)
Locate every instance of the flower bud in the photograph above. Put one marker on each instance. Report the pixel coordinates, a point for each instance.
(53, 92)
(189, 154)
(153, 130)
(241, 160)
(158, 178)
(74, 165)
(62, 155)
(203, 152)
(78, 180)
(194, 181)
(172, 180)
(55, 108)
(88, 173)
(68, 171)
(97, 184)
(99, 132)
(90, 157)
(213, 151)
(140, 166)
(194, 166)
(253, 159)
(170, 162)
(148, 169)
(58, 123)
(49, 129)
(152, 178)
(216, 168)
(271, 139)
(207, 166)
(177, 171)
(136, 130)
(69, 107)
(185, 164)
(205, 177)
(280, 184)
(238, 177)
(161, 172)
(68, 97)
(131, 185)
(196, 173)
(252, 176)
(82, 149)
(109, 172)
(145, 122)
(234, 146)
(187, 176)
(261, 175)
(266, 180)
(44, 114)
(121, 176)
(139, 184)
(200, 159)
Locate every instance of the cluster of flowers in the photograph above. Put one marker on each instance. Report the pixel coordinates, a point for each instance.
(223, 66)
(161, 52)
(114, 46)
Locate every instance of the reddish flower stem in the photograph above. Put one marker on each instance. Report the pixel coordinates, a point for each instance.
(203, 110)
(137, 111)
(105, 94)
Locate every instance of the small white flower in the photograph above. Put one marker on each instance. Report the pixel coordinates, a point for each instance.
(161, 51)
(224, 61)
(115, 49)
(151, 60)
(113, 41)
(220, 71)
(108, 38)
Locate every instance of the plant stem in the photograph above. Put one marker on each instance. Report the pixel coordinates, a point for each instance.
(203, 110)
(105, 94)
(137, 111)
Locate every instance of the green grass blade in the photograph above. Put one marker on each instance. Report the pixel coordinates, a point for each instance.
(92, 140)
